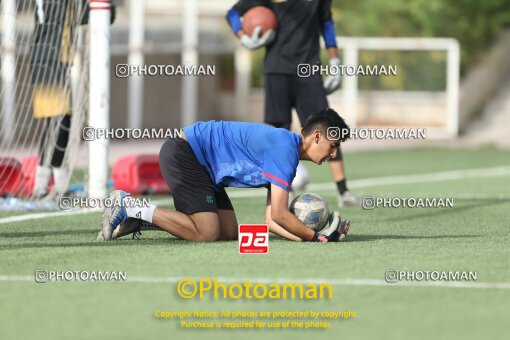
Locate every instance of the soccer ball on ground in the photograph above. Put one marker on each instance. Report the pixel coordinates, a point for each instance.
(311, 209)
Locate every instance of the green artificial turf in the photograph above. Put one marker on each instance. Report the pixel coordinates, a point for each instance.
(474, 235)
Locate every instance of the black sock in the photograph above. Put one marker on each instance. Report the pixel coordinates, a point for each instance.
(62, 140)
(342, 186)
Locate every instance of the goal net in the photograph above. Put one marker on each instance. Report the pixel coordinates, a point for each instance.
(44, 101)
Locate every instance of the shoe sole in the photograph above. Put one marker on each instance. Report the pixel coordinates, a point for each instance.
(107, 228)
(127, 227)
(346, 230)
(107, 217)
(123, 229)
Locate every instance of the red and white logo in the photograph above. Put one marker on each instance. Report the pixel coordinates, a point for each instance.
(253, 239)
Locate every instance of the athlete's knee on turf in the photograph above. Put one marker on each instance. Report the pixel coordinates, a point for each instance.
(209, 235)
(207, 226)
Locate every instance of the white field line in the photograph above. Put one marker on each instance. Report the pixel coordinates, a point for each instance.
(333, 282)
(28, 217)
(360, 183)
(393, 180)
(421, 178)
(458, 195)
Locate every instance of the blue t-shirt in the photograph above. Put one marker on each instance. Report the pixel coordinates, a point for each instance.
(245, 155)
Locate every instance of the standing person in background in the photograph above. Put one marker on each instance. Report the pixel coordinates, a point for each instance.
(300, 24)
(51, 56)
(50, 59)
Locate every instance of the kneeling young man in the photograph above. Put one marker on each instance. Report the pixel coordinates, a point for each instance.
(217, 154)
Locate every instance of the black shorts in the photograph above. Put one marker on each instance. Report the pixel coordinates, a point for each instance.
(190, 184)
(285, 91)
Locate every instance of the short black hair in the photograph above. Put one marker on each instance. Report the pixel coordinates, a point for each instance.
(325, 119)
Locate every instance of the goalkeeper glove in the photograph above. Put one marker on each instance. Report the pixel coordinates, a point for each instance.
(256, 41)
(318, 237)
(336, 231)
(332, 82)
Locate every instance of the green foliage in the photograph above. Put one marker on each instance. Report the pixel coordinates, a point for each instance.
(416, 70)
(474, 23)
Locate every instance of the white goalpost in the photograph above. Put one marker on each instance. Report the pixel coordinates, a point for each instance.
(8, 69)
(99, 107)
